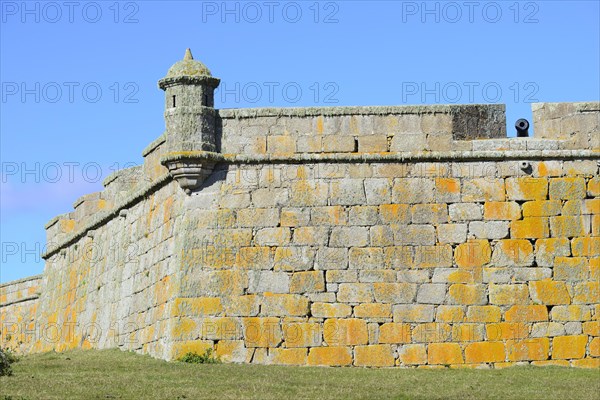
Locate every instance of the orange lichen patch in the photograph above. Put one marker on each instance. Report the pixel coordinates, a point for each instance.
(446, 186)
(586, 293)
(567, 347)
(444, 353)
(330, 356)
(288, 356)
(500, 210)
(351, 331)
(544, 208)
(394, 213)
(474, 253)
(67, 225)
(523, 313)
(528, 349)
(319, 124)
(302, 334)
(526, 188)
(485, 352)
(586, 247)
(595, 347)
(199, 306)
(450, 314)
(394, 333)
(378, 355)
(261, 332)
(548, 292)
(413, 354)
(191, 346)
(373, 310)
(530, 228)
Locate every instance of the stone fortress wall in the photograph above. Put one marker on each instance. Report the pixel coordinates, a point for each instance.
(365, 236)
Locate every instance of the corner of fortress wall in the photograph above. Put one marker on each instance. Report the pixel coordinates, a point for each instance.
(366, 236)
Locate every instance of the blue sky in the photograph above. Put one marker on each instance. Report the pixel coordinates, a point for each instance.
(80, 99)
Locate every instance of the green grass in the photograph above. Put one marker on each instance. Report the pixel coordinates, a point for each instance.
(112, 374)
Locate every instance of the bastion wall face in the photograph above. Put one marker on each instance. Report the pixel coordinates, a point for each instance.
(364, 236)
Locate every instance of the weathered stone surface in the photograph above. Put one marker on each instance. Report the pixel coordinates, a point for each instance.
(308, 240)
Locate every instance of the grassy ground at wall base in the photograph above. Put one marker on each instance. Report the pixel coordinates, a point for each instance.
(112, 374)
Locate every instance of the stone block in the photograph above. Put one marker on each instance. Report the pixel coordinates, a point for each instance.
(414, 234)
(447, 190)
(330, 310)
(261, 332)
(355, 293)
(569, 347)
(571, 313)
(395, 213)
(327, 216)
(569, 188)
(568, 226)
(465, 212)
(332, 356)
(452, 233)
(345, 332)
(467, 294)
(413, 354)
(272, 236)
(485, 352)
(501, 210)
(373, 143)
(347, 192)
(394, 292)
(378, 191)
(444, 353)
(474, 253)
(431, 293)
(349, 236)
(526, 188)
(509, 294)
(302, 334)
(586, 247)
(542, 208)
(307, 282)
(379, 355)
(332, 258)
(547, 249)
(530, 228)
(484, 314)
(429, 214)
(513, 253)
(571, 269)
(450, 314)
(433, 256)
(413, 190)
(526, 313)
(268, 281)
(489, 229)
(533, 349)
(548, 292)
(373, 311)
(413, 313)
(282, 305)
(294, 216)
(311, 235)
(363, 215)
(483, 189)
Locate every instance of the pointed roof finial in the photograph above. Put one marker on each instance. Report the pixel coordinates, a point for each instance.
(188, 55)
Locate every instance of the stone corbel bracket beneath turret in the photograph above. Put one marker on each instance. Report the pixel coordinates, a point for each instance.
(191, 168)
